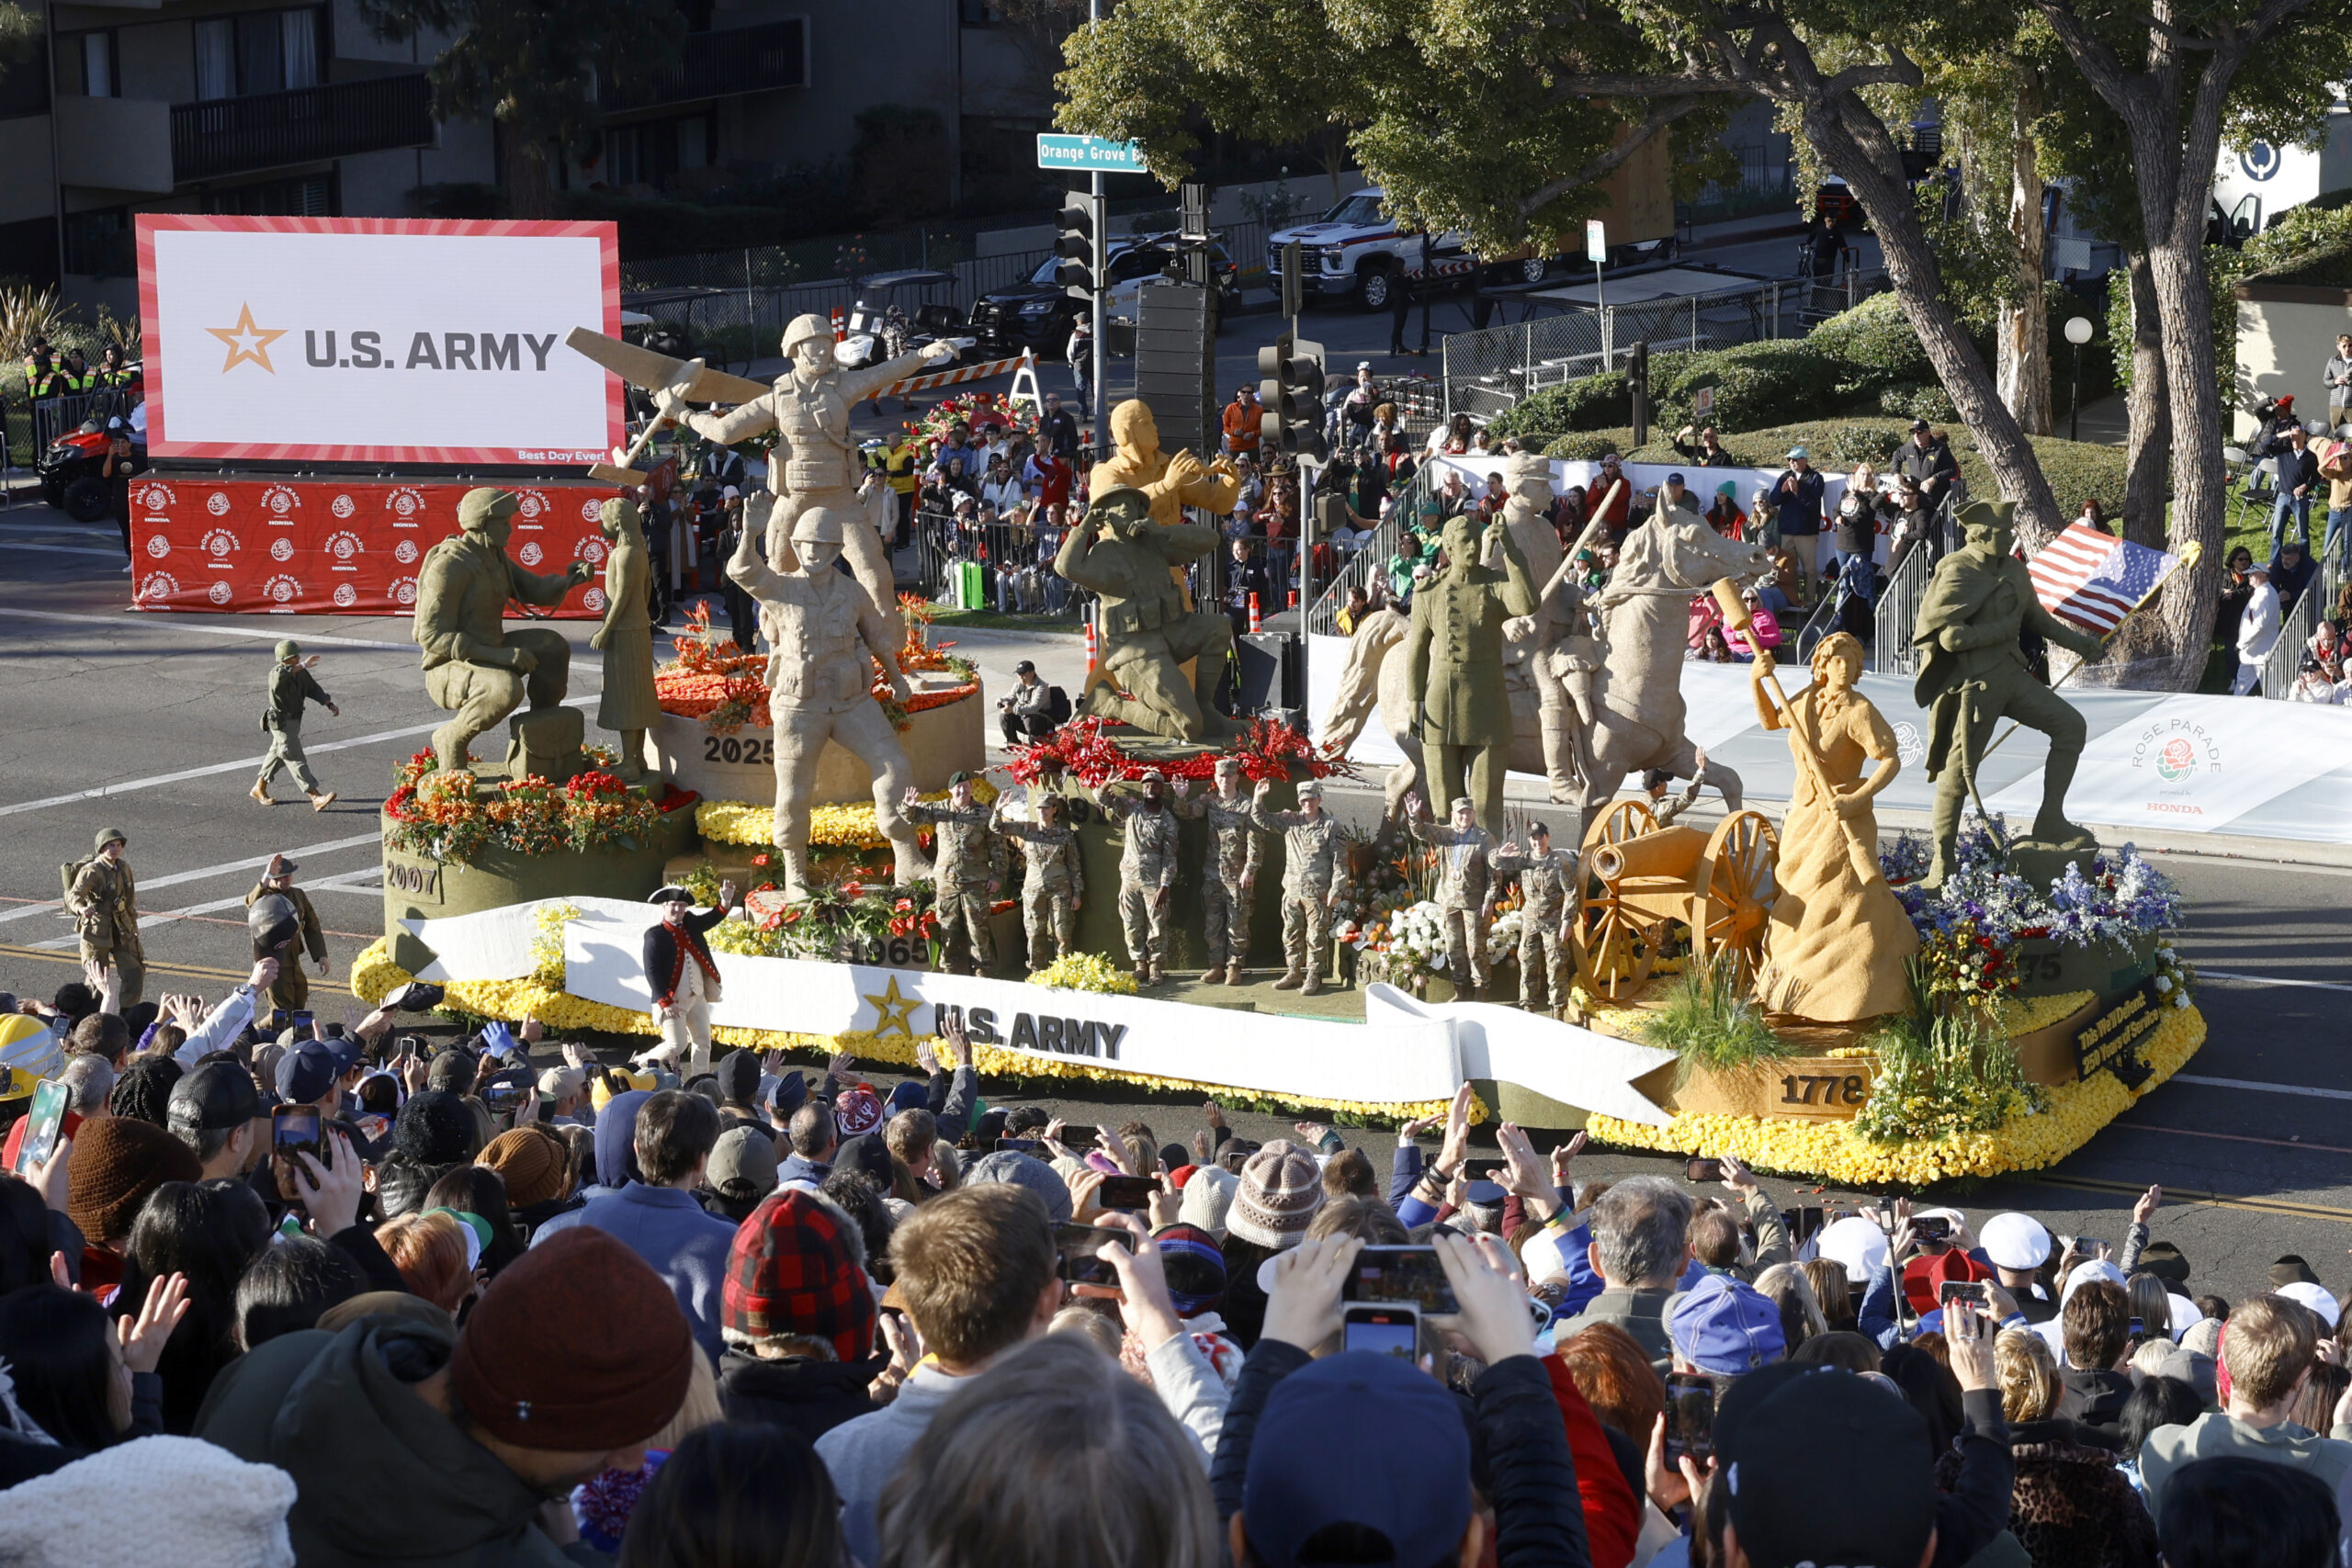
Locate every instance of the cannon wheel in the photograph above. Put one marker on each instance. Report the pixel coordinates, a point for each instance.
(1737, 870)
(1614, 954)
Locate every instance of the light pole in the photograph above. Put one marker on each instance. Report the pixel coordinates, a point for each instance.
(2078, 332)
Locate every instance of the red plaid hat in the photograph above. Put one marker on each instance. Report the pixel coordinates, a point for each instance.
(790, 1271)
(859, 1110)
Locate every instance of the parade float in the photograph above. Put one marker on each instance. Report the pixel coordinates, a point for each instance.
(1787, 988)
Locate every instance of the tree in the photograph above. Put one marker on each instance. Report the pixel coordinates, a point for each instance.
(2172, 75)
(1498, 118)
(531, 65)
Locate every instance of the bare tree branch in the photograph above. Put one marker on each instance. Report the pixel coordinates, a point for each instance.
(1659, 119)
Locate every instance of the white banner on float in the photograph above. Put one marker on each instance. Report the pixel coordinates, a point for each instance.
(2195, 764)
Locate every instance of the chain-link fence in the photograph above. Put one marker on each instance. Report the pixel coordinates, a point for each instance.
(1487, 373)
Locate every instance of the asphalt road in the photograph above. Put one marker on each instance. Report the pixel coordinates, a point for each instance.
(147, 722)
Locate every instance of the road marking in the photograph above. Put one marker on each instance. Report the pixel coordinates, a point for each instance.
(2230, 1137)
(253, 765)
(2205, 974)
(59, 549)
(246, 862)
(259, 634)
(2265, 1088)
(2215, 1200)
(192, 971)
(341, 883)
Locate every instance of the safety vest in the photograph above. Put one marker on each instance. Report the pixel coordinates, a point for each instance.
(119, 376)
(40, 382)
(73, 385)
(899, 467)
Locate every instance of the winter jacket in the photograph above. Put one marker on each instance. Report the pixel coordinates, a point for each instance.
(807, 1398)
(2094, 1403)
(862, 1455)
(383, 1478)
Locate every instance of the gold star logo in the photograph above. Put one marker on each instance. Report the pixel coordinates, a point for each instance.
(894, 1014)
(247, 341)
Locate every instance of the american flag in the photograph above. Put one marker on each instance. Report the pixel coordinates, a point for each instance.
(2095, 580)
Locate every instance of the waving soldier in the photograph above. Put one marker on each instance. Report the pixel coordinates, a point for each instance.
(1053, 880)
(1310, 847)
(968, 868)
(1146, 869)
(1236, 850)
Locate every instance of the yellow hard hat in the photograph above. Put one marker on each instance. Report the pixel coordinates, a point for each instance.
(600, 1095)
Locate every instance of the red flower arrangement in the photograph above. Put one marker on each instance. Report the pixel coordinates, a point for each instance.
(1268, 749)
(451, 817)
(713, 680)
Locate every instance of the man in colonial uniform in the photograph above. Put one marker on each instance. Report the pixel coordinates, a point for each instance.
(683, 978)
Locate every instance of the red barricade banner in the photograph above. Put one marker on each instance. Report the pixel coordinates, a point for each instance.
(327, 547)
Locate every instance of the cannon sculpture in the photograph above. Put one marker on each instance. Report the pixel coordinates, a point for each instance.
(1637, 880)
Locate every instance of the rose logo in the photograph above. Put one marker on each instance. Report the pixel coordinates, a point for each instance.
(531, 554)
(594, 599)
(2176, 762)
(218, 503)
(590, 550)
(529, 504)
(405, 591)
(343, 506)
(345, 596)
(219, 543)
(591, 510)
(220, 593)
(159, 585)
(405, 552)
(154, 497)
(158, 545)
(405, 504)
(1909, 744)
(281, 548)
(345, 546)
(281, 502)
(282, 589)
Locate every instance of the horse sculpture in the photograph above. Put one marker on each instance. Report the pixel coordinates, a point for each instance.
(1637, 694)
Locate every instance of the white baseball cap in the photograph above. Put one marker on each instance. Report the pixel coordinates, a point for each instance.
(2304, 1293)
(2016, 1241)
(1856, 1243)
(2097, 1269)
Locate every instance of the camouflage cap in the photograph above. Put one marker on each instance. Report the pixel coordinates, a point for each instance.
(1228, 763)
(1153, 775)
(1311, 788)
(1462, 803)
(486, 502)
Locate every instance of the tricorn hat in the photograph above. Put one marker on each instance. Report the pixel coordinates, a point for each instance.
(1988, 514)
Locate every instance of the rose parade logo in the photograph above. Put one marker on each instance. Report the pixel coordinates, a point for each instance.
(2176, 761)
(281, 548)
(217, 503)
(405, 552)
(405, 503)
(590, 549)
(281, 503)
(530, 506)
(158, 545)
(219, 593)
(591, 510)
(2177, 750)
(159, 585)
(1910, 745)
(405, 591)
(345, 595)
(530, 554)
(156, 497)
(594, 599)
(281, 589)
(217, 543)
(344, 548)
(343, 506)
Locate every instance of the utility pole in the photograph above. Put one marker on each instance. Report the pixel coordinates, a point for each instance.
(1102, 285)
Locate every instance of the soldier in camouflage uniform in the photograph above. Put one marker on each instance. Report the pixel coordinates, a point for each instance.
(1546, 881)
(1310, 845)
(1233, 873)
(1147, 870)
(967, 871)
(104, 902)
(1053, 883)
(1465, 886)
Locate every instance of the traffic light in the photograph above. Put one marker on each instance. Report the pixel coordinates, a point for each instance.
(1081, 228)
(1637, 382)
(1290, 390)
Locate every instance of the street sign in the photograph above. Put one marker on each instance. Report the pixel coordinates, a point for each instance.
(1702, 402)
(1091, 152)
(1596, 238)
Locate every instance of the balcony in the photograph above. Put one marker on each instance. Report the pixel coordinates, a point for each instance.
(302, 125)
(718, 64)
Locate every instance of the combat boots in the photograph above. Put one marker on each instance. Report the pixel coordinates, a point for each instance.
(1291, 981)
(1312, 985)
(260, 792)
(1215, 975)
(1233, 974)
(1142, 973)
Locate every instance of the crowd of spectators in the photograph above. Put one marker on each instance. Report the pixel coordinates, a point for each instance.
(498, 1315)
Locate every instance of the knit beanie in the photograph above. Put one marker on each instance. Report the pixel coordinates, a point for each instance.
(153, 1500)
(738, 1076)
(1281, 1188)
(1194, 1266)
(615, 1375)
(1013, 1169)
(116, 1162)
(434, 1128)
(1207, 1198)
(791, 1272)
(534, 1163)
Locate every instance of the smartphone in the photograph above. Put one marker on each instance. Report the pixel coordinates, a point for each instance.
(1969, 1293)
(1387, 1329)
(304, 1019)
(1079, 1250)
(1698, 1168)
(1125, 1192)
(1482, 1170)
(1019, 1146)
(501, 1097)
(2086, 1247)
(293, 1130)
(1394, 1274)
(44, 1123)
(1690, 1415)
(1804, 1224)
(1933, 1228)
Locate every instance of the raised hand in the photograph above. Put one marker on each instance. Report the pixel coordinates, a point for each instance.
(142, 1338)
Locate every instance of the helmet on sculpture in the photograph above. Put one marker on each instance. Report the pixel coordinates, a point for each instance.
(802, 329)
(819, 526)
